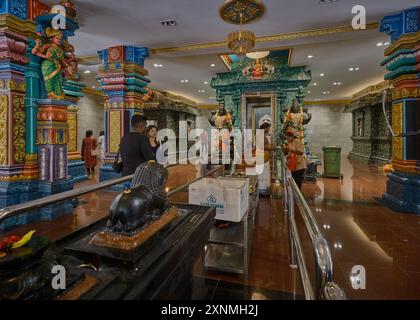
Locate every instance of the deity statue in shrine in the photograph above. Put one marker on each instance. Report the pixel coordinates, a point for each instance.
(55, 62)
(296, 117)
(221, 119)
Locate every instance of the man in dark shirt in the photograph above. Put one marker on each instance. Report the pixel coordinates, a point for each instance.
(135, 147)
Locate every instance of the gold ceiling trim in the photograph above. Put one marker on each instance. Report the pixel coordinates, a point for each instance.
(372, 89)
(327, 102)
(277, 37)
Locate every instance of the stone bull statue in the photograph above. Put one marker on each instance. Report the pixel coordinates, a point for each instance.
(143, 203)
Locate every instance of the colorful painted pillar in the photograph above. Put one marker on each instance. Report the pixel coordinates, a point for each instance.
(122, 78)
(76, 167)
(52, 130)
(403, 63)
(14, 30)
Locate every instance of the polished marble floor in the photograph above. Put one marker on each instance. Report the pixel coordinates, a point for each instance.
(359, 229)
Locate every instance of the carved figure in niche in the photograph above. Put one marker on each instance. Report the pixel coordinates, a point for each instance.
(257, 70)
(145, 202)
(361, 125)
(55, 60)
(296, 117)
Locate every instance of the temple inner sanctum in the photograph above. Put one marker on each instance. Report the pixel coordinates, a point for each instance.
(209, 150)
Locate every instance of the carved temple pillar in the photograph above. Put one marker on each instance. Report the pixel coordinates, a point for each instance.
(122, 78)
(280, 112)
(76, 167)
(403, 64)
(14, 30)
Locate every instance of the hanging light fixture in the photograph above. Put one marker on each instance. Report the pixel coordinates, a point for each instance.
(242, 41)
(241, 12)
(258, 55)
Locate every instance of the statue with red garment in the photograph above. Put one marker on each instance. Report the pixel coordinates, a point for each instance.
(296, 117)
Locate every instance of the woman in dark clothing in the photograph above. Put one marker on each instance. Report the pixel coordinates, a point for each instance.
(152, 132)
(90, 152)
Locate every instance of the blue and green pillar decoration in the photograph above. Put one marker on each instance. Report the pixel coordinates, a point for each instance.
(403, 65)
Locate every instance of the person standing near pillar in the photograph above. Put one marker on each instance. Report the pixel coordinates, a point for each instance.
(264, 179)
(90, 152)
(101, 142)
(135, 147)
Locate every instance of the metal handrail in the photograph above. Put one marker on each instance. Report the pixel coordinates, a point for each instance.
(325, 286)
(18, 209)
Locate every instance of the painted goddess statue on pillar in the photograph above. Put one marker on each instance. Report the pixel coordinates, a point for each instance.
(54, 58)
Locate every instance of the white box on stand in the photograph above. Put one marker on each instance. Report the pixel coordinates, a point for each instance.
(230, 196)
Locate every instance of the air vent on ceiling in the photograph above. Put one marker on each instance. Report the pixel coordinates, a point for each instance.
(168, 23)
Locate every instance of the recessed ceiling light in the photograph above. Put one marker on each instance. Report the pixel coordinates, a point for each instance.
(308, 91)
(212, 65)
(310, 56)
(87, 71)
(322, 74)
(379, 44)
(201, 91)
(356, 69)
(168, 23)
(315, 84)
(93, 87)
(386, 44)
(157, 65)
(337, 84)
(326, 92)
(184, 81)
(206, 82)
(327, 1)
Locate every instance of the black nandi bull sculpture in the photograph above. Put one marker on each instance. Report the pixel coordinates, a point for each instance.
(143, 203)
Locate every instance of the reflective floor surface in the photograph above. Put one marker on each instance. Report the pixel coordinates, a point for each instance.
(359, 229)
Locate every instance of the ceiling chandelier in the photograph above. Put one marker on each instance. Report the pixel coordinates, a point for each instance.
(242, 41)
(241, 12)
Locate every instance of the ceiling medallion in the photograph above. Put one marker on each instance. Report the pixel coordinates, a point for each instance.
(242, 11)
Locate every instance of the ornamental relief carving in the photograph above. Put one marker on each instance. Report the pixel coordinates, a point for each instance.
(3, 129)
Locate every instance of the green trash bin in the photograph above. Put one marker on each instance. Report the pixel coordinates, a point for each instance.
(332, 162)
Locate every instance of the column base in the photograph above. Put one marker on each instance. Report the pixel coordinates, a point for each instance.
(403, 192)
(30, 190)
(77, 170)
(15, 192)
(106, 172)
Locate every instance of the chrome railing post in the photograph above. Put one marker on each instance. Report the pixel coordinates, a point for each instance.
(325, 287)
